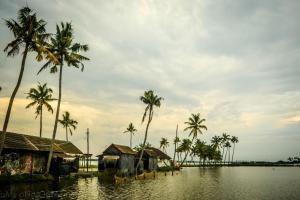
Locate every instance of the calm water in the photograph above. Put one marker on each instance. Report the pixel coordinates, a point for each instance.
(191, 183)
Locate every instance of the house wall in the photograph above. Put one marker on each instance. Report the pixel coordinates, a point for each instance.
(22, 162)
(152, 164)
(126, 164)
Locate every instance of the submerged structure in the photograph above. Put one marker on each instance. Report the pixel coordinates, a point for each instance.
(153, 158)
(29, 154)
(119, 158)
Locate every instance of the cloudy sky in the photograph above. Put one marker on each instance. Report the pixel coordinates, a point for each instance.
(235, 62)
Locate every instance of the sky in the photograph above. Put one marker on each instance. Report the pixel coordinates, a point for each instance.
(234, 62)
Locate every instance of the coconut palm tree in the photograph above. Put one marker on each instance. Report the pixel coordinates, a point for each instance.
(140, 146)
(234, 140)
(176, 141)
(40, 96)
(151, 100)
(131, 130)
(185, 146)
(68, 123)
(195, 125)
(227, 145)
(164, 144)
(29, 32)
(216, 141)
(65, 50)
(225, 138)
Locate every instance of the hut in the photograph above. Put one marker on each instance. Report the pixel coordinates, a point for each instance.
(117, 157)
(149, 160)
(29, 154)
(162, 158)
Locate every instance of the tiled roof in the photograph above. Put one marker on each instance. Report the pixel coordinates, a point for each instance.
(34, 143)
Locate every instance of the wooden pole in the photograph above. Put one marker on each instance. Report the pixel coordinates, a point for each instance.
(88, 149)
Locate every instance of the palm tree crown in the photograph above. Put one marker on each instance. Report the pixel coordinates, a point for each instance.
(68, 123)
(164, 144)
(195, 125)
(130, 129)
(40, 97)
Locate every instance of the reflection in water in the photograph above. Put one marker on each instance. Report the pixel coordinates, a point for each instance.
(190, 183)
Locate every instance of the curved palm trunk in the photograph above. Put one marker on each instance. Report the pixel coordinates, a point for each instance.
(56, 119)
(233, 152)
(41, 121)
(145, 140)
(11, 100)
(185, 155)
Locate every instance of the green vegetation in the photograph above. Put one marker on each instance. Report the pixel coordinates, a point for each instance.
(131, 130)
(29, 32)
(68, 123)
(64, 49)
(40, 97)
(164, 144)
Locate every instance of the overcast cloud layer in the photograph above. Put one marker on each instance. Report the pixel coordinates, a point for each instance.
(235, 62)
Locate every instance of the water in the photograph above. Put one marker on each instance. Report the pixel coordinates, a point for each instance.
(191, 183)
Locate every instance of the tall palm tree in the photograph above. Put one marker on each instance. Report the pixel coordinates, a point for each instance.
(66, 51)
(216, 141)
(151, 100)
(176, 141)
(225, 138)
(40, 96)
(131, 130)
(29, 32)
(195, 126)
(68, 123)
(164, 144)
(227, 146)
(234, 140)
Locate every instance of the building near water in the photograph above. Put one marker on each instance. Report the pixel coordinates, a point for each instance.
(119, 158)
(29, 154)
(153, 158)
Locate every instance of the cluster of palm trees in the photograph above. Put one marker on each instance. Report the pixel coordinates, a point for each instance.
(57, 49)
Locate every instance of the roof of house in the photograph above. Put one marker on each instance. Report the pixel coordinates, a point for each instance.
(161, 155)
(121, 148)
(34, 143)
(149, 152)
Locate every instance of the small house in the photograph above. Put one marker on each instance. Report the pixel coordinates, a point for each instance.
(149, 160)
(117, 157)
(162, 158)
(29, 154)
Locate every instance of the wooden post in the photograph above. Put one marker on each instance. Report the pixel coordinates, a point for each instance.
(87, 158)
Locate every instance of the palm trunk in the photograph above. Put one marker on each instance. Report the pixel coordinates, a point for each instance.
(67, 134)
(130, 140)
(174, 150)
(228, 155)
(11, 100)
(233, 152)
(186, 154)
(56, 117)
(225, 156)
(41, 121)
(145, 139)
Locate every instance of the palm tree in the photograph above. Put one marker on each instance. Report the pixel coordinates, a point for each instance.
(30, 33)
(66, 51)
(176, 140)
(195, 125)
(185, 146)
(216, 141)
(225, 138)
(151, 100)
(164, 144)
(68, 123)
(130, 130)
(40, 97)
(234, 140)
(227, 146)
